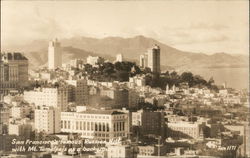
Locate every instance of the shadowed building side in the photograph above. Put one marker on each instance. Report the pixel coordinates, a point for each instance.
(13, 71)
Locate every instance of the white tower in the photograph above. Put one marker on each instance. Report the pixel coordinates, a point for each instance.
(173, 88)
(119, 58)
(54, 54)
(225, 85)
(167, 89)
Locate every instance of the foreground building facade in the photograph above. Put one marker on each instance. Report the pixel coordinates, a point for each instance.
(55, 97)
(103, 125)
(13, 71)
(47, 119)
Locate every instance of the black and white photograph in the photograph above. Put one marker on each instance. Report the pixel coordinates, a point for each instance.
(124, 79)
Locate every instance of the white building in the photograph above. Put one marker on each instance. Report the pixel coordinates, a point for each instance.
(76, 63)
(138, 80)
(144, 60)
(20, 111)
(46, 76)
(223, 92)
(119, 58)
(21, 128)
(47, 119)
(104, 125)
(94, 60)
(121, 151)
(185, 129)
(54, 55)
(56, 97)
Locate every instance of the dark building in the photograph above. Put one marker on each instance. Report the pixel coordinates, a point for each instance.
(13, 71)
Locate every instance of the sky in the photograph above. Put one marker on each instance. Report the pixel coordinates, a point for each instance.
(199, 26)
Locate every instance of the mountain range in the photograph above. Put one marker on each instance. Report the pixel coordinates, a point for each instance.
(131, 48)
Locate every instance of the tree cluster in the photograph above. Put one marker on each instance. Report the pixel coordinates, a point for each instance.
(119, 71)
(173, 78)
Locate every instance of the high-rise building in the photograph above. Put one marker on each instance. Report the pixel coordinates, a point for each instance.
(134, 98)
(149, 122)
(52, 96)
(101, 124)
(47, 119)
(151, 59)
(13, 71)
(80, 92)
(154, 59)
(119, 96)
(54, 55)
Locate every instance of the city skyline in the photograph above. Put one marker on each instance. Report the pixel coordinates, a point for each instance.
(207, 27)
(114, 79)
(115, 108)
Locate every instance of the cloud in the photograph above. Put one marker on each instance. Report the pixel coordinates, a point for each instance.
(208, 26)
(195, 25)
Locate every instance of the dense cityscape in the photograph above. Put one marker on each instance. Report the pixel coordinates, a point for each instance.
(95, 108)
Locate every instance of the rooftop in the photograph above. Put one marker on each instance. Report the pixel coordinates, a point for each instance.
(13, 56)
(105, 112)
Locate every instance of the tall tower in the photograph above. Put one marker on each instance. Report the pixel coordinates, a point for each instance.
(54, 54)
(144, 60)
(154, 59)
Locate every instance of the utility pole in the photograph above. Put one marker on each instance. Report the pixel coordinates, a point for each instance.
(159, 146)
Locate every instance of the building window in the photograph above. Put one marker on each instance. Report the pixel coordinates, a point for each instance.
(96, 127)
(76, 125)
(88, 126)
(123, 126)
(68, 124)
(107, 125)
(100, 126)
(84, 125)
(103, 127)
(117, 126)
(65, 124)
(92, 126)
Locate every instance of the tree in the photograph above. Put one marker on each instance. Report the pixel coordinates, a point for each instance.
(122, 76)
(88, 68)
(187, 77)
(211, 81)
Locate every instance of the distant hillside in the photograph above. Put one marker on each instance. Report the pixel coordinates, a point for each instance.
(131, 48)
(40, 58)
